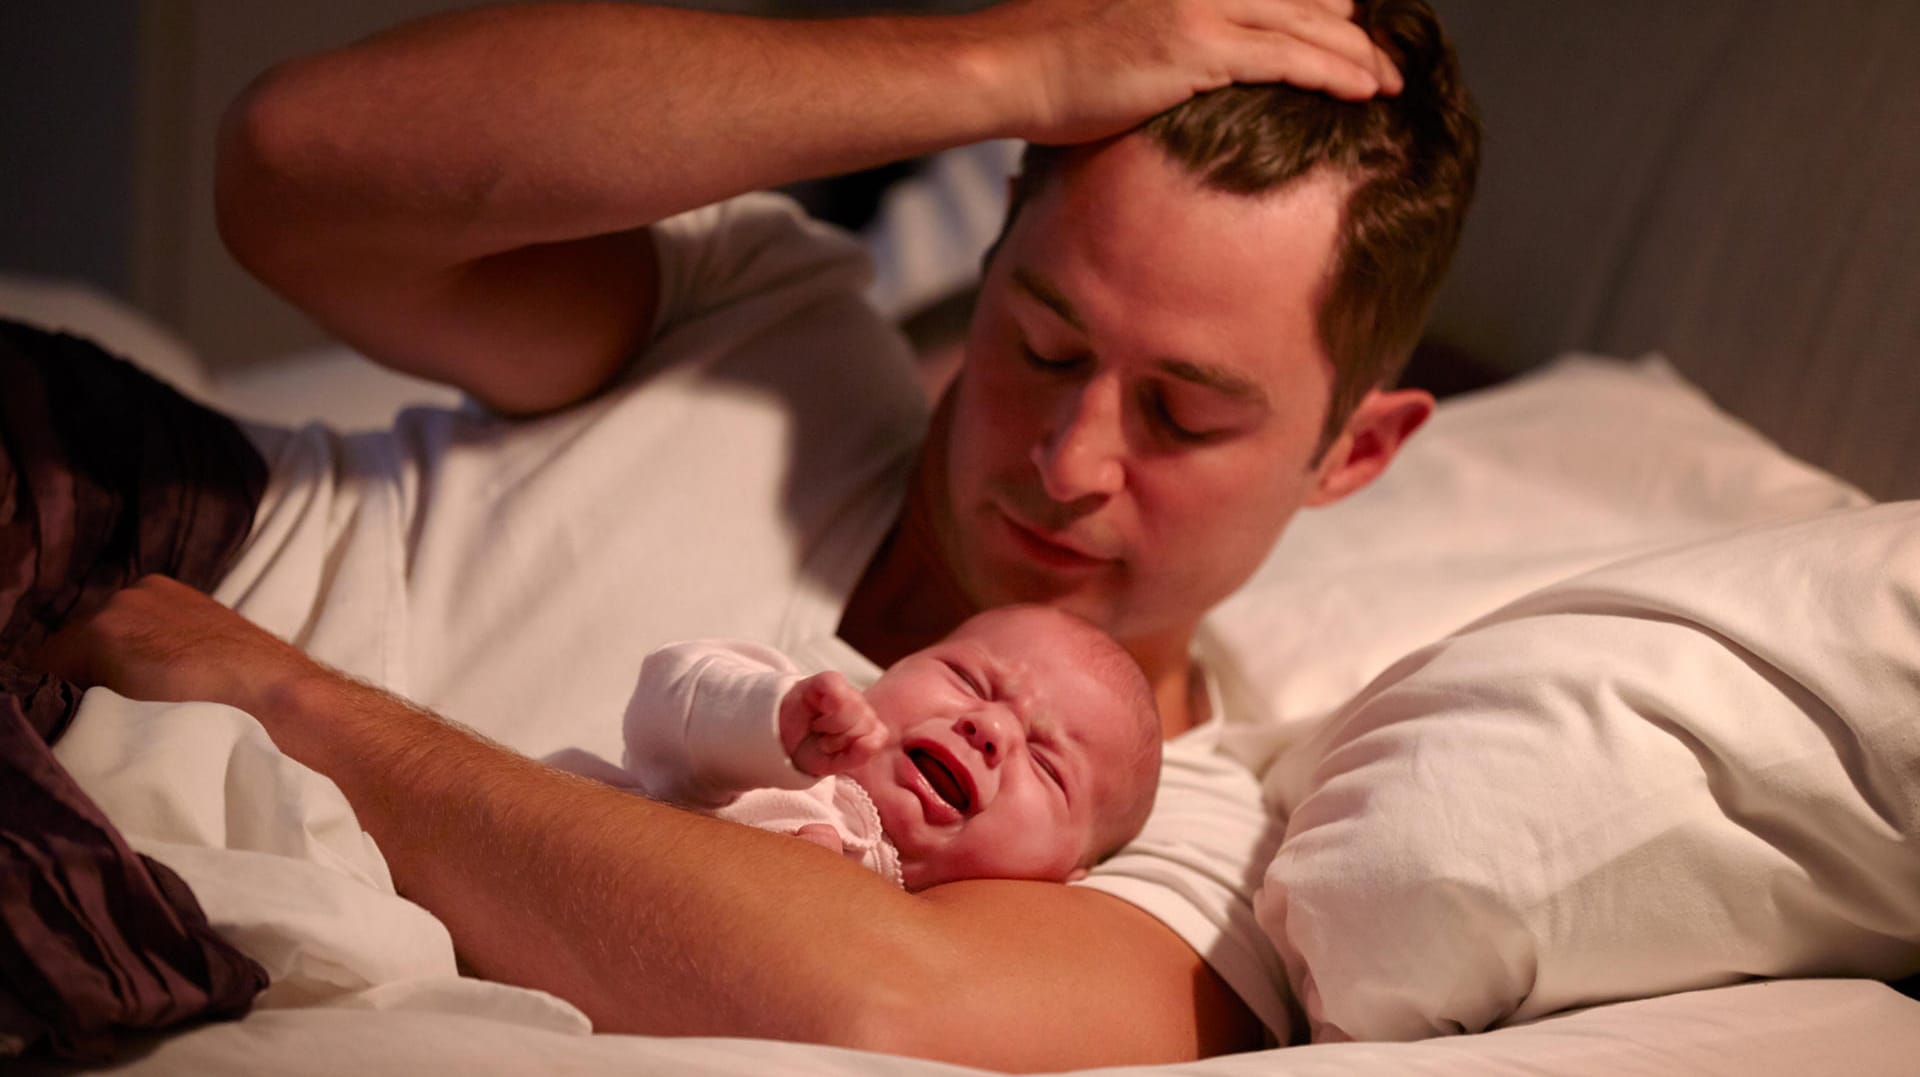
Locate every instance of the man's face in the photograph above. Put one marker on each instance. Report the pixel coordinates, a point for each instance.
(1142, 395)
(1008, 753)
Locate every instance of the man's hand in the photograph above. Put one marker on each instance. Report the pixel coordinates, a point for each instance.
(827, 726)
(158, 639)
(1098, 67)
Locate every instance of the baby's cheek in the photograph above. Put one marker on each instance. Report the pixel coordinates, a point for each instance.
(1030, 851)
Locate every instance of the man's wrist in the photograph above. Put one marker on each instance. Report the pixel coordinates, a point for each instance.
(995, 67)
(308, 708)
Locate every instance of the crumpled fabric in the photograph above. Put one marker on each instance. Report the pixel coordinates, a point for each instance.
(106, 475)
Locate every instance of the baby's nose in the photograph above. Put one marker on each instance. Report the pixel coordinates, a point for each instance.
(988, 733)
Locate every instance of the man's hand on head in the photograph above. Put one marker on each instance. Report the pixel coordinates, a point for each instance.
(1097, 67)
(158, 639)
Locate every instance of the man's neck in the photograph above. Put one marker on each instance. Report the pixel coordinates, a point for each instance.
(905, 600)
(1179, 686)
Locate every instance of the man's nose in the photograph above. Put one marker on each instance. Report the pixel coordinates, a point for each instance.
(1082, 455)
(990, 732)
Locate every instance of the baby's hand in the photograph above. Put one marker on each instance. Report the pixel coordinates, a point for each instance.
(822, 835)
(827, 727)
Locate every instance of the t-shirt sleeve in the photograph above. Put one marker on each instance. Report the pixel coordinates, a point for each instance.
(758, 248)
(703, 726)
(1195, 866)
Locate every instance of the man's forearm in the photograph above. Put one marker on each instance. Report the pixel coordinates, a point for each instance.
(557, 121)
(659, 921)
(457, 198)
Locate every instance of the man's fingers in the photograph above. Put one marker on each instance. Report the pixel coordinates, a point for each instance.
(1337, 57)
(1278, 58)
(81, 649)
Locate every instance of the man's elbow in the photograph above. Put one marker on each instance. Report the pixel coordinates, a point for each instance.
(262, 143)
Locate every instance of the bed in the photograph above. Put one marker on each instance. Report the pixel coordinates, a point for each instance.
(1659, 515)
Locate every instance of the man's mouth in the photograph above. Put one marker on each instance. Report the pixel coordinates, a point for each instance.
(946, 783)
(1044, 548)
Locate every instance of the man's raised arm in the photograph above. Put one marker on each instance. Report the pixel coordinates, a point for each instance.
(461, 198)
(655, 920)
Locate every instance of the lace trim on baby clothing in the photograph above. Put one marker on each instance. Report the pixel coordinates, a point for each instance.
(869, 844)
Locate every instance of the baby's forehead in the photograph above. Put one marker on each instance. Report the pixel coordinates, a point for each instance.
(1009, 625)
(1046, 641)
(1085, 677)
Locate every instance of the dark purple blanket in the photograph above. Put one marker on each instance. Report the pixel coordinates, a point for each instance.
(105, 475)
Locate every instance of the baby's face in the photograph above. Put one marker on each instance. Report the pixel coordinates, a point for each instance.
(1009, 748)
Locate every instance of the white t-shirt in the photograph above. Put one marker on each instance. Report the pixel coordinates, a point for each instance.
(734, 483)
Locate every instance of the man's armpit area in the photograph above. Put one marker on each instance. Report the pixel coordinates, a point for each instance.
(553, 324)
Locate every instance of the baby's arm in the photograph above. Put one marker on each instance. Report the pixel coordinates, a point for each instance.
(703, 723)
(827, 726)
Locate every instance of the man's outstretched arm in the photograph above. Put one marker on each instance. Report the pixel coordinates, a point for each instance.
(659, 921)
(461, 197)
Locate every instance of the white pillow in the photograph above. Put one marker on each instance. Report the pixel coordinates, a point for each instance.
(1581, 463)
(1685, 769)
(83, 310)
(331, 384)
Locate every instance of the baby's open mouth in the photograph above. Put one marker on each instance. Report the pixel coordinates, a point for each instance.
(947, 785)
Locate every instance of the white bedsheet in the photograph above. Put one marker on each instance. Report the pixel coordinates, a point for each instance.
(1787, 1028)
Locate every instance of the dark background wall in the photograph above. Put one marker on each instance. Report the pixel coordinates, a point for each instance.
(68, 76)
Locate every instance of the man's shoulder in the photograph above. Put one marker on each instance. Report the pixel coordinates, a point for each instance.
(749, 244)
(756, 295)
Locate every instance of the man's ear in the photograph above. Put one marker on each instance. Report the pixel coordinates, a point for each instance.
(1379, 425)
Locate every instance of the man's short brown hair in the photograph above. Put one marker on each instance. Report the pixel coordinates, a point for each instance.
(1410, 161)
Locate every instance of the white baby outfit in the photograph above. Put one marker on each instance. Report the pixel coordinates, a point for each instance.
(703, 730)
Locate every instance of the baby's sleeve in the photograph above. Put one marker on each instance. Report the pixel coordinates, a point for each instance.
(703, 724)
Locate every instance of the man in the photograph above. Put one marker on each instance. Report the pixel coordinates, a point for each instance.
(1151, 391)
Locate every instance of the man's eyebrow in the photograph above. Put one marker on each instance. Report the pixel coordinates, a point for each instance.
(1232, 383)
(1037, 287)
